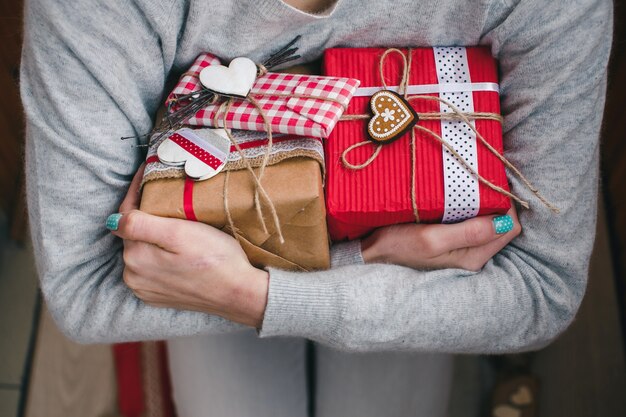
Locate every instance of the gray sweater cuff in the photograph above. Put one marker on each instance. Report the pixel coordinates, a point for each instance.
(346, 253)
(303, 305)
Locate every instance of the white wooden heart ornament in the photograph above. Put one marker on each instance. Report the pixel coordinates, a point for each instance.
(203, 152)
(234, 80)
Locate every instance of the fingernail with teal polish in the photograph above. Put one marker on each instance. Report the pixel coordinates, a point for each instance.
(113, 221)
(503, 224)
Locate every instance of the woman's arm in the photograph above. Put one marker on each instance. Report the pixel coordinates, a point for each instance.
(554, 72)
(91, 72)
(193, 266)
(553, 58)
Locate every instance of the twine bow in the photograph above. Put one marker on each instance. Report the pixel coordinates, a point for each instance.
(258, 186)
(456, 115)
(221, 114)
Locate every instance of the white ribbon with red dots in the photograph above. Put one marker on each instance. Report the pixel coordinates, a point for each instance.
(203, 156)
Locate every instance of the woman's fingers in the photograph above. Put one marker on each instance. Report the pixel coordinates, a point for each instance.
(132, 224)
(133, 197)
(489, 250)
(187, 265)
(173, 235)
(474, 258)
(443, 238)
(145, 257)
(468, 245)
(139, 226)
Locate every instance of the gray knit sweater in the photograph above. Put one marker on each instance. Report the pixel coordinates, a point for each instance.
(94, 70)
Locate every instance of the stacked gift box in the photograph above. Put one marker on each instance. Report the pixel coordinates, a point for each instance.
(312, 122)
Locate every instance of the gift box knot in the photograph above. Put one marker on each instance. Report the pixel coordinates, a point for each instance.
(221, 114)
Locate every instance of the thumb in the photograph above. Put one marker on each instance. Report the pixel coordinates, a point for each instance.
(143, 227)
(470, 233)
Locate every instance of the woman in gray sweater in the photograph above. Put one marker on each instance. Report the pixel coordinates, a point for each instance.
(93, 70)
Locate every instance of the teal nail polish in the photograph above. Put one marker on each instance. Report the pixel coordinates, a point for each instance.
(503, 224)
(113, 221)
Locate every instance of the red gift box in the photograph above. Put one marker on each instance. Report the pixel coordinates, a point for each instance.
(380, 194)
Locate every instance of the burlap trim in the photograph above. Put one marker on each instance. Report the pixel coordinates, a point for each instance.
(179, 172)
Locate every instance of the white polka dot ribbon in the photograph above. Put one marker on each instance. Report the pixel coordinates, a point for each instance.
(462, 197)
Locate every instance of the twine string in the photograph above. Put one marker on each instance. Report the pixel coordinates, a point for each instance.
(222, 113)
(368, 161)
(229, 216)
(467, 166)
(259, 189)
(225, 107)
(270, 139)
(405, 74)
(262, 70)
(491, 149)
(266, 156)
(404, 83)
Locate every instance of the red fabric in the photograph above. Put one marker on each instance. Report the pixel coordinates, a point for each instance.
(166, 385)
(190, 214)
(129, 381)
(380, 194)
(201, 153)
(264, 142)
(129, 363)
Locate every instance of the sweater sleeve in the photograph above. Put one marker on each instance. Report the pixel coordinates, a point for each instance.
(346, 253)
(91, 73)
(553, 58)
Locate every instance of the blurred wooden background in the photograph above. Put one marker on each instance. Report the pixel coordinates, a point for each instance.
(11, 119)
(614, 155)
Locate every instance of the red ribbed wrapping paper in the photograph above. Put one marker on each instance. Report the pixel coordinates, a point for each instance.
(360, 200)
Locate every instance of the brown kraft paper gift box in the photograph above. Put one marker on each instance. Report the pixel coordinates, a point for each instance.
(293, 180)
(295, 187)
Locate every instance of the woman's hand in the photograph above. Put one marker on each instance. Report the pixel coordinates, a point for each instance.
(466, 245)
(187, 265)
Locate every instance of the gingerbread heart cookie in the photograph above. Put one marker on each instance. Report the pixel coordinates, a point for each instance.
(393, 117)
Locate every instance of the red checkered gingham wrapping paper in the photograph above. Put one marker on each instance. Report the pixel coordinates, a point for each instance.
(307, 116)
